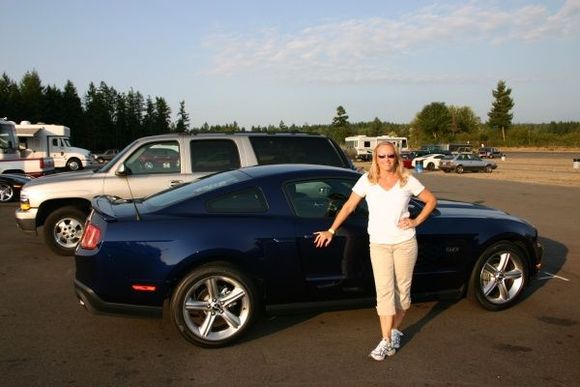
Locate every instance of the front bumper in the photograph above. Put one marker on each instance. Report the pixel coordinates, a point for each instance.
(26, 220)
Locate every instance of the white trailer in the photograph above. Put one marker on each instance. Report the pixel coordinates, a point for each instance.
(364, 145)
(10, 157)
(38, 140)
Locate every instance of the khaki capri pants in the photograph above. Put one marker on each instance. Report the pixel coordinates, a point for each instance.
(393, 272)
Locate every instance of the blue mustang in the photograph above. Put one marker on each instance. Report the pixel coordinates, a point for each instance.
(225, 247)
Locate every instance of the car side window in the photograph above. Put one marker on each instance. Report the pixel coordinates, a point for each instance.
(320, 198)
(246, 201)
(214, 155)
(297, 149)
(155, 158)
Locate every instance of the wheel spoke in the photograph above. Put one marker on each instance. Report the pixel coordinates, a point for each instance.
(232, 320)
(212, 288)
(196, 305)
(505, 258)
(503, 291)
(205, 328)
(490, 286)
(233, 296)
(513, 274)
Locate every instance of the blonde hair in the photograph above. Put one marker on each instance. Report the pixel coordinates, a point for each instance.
(400, 170)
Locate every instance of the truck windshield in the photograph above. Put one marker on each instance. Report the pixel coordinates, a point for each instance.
(7, 139)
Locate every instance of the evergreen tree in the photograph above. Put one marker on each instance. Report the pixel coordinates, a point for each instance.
(52, 107)
(10, 100)
(32, 97)
(162, 116)
(149, 117)
(499, 115)
(340, 128)
(72, 114)
(182, 124)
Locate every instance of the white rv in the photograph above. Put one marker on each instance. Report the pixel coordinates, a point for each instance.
(10, 160)
(364, 145)
(37, 140)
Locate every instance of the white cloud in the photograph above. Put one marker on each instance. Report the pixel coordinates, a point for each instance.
(361, 50)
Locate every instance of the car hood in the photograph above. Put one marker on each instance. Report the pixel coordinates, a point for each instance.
(62, 177)
(456, 209)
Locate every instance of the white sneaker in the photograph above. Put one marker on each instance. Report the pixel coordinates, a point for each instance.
(383, 349)
(396, 338)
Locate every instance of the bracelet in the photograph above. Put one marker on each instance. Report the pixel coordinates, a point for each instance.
(330, 230)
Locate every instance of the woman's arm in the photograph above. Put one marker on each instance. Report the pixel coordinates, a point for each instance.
(430, 203)
(323, 238)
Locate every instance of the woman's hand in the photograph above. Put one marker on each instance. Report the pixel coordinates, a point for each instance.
(407, 223)
(323, 238)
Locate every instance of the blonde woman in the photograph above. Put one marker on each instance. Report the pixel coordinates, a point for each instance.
(387, 188)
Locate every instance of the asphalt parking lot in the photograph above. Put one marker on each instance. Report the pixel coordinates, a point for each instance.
(47, 339)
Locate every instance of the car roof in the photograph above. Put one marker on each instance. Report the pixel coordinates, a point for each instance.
(169, 136)
(260, 171)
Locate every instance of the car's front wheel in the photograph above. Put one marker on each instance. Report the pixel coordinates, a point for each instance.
(214, 305)
(63, 229)
(488, 169)
(499, 276)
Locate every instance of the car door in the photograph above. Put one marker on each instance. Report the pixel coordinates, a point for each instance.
(151, 168)
(342, 269)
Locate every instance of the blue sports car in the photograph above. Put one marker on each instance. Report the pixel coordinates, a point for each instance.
(223, 248)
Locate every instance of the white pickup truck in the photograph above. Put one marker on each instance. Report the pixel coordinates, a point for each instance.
(60, 203)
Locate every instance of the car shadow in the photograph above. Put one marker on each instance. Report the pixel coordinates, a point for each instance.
(555, 255)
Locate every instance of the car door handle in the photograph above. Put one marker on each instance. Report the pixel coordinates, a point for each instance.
(176, 182)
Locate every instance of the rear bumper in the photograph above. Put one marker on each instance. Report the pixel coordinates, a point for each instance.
(94, 304)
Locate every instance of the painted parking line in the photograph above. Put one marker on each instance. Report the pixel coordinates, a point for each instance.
(547, 275)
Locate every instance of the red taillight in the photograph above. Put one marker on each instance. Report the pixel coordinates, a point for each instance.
(144, 288)
(91, 237)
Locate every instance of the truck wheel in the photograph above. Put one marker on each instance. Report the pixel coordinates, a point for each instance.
(63, 229)
(73, 164)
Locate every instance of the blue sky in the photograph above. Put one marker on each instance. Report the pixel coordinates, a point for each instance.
(262, 62)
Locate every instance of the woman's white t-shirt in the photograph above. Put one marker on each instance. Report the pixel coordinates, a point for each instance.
(386, 207)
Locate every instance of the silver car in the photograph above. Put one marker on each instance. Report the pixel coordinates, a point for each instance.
(466, 162)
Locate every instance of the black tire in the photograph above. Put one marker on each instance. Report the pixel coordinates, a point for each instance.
(488, 169)
(499, 277)
(459, 169)
(74, 164)
(6, 192)
(192, 305)
(63, 229)
(431, 167)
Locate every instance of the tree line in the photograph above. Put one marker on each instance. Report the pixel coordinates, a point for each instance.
(106, 118)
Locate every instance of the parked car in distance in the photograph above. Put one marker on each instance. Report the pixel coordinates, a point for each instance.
(60, 204)
(107, 155)
(407, 158)
(466, 162)
(223, 248)
(489, 152)
(10, 186)
(430, 162)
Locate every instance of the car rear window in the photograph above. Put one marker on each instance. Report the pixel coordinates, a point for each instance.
(301, 150)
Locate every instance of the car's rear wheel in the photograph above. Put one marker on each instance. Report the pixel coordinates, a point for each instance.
(459, 169)
(499, 276)
(63, 229)
(488, 169)
(6, 192)
(214, 305)
(431, 166)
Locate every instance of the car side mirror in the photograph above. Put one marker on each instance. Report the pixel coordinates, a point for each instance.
(124, 171)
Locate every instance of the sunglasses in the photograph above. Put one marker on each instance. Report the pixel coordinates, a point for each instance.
(382, 156)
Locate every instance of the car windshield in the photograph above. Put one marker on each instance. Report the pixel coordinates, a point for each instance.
(196, 188)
